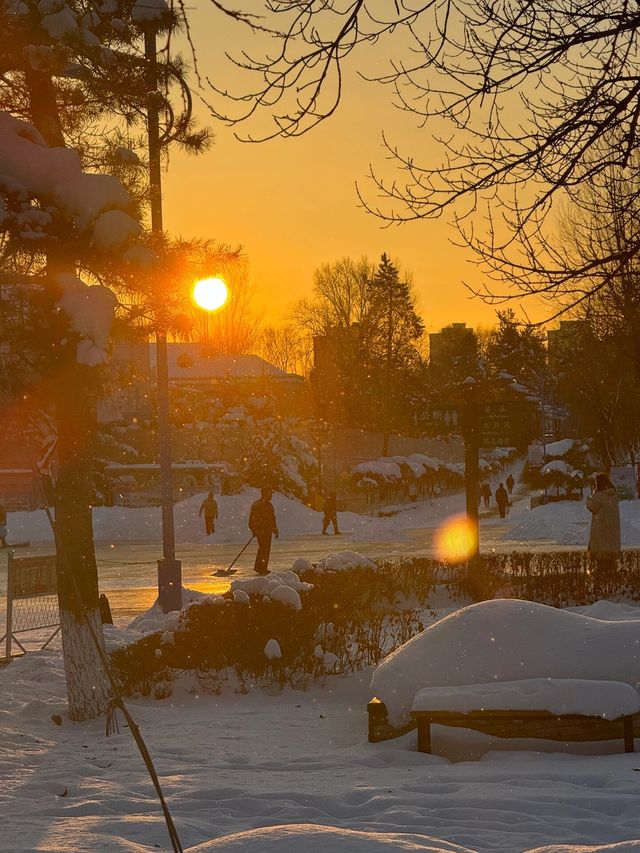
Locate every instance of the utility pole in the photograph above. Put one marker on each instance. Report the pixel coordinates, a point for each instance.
(169, 569)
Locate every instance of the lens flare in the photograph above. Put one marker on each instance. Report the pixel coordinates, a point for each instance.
(456, 540)
(210, 293)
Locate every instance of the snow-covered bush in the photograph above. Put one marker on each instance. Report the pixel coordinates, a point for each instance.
(429, 475)
(568, 464)
(347, 621)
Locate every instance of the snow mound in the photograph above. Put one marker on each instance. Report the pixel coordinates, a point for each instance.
(342, 561)
(284, 587)
(155, 619)
(311, 838)
(506, 640)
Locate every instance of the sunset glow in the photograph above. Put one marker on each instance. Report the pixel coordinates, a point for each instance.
(455, 540)
(210, 293)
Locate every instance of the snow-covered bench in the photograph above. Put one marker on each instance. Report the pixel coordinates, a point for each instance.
(567, 709)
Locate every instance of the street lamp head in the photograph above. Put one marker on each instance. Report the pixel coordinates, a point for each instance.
(210, 293)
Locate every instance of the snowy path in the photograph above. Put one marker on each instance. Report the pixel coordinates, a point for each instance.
(128, 568)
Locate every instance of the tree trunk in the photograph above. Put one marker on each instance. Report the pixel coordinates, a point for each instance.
(77, 570)
(72, 388)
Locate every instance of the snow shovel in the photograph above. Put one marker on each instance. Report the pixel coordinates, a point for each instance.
(221, 573)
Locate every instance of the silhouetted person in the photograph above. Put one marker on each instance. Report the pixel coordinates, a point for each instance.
(605, 517)
(262, 524)
(485, 491)
(3, 527)
(502, 499)
(210, 508)
(330, 510)
(105, 610)
(510, 483)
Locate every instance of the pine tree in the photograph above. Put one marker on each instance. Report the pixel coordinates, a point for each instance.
(73, 74)
(394, 327)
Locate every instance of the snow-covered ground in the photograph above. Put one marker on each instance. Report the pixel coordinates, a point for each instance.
(566, 522)
(293, 772)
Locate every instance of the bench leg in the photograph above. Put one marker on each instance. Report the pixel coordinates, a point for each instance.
(424, 736)
(629, 745)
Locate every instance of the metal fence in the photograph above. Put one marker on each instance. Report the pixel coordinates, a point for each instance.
(32, 601)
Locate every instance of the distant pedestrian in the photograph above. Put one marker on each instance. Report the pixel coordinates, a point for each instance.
(605, 517)
(510, 483)
(262, 524)
(209, 507)
(485, 491)
(502, 499)
(3, 527)
(330, 510)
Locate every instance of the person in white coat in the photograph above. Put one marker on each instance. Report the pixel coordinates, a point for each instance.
(605, 517)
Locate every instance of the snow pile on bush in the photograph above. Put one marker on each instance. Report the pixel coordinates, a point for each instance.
(559, 448)
(338, 562)
(383, 470)
(492, 641)
(284, 587)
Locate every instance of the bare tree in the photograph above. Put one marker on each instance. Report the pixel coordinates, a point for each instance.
(285, 347)
(527, 100)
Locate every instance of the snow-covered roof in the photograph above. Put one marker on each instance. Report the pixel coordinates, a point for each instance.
(192, 361)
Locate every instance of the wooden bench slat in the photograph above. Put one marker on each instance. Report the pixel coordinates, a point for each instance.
(528, 724)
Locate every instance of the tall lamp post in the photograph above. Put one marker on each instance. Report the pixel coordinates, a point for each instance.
(209, 294)
(169, 569)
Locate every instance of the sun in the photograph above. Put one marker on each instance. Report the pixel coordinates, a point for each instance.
(210, 293)
(456, 540)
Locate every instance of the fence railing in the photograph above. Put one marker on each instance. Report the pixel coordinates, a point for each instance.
(32, 601)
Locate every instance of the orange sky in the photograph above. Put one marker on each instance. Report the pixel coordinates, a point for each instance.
(292, 205)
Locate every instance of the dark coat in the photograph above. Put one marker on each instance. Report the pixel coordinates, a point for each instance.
(262, 518)
(605, 522)
(502, 497)
(210, 508)
(330, 507)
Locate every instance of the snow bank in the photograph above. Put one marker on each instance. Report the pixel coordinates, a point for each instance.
(492, 641)
(311, 838)
(567, 523)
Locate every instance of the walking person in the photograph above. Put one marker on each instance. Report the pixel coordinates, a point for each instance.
(485, 491)
(263, 525)
(604, 537)
(502, 499)
(510, 483)
(209, 507)
(330, 510)
(3, 527)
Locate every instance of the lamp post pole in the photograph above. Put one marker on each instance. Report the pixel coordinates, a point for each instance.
(169, 569)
